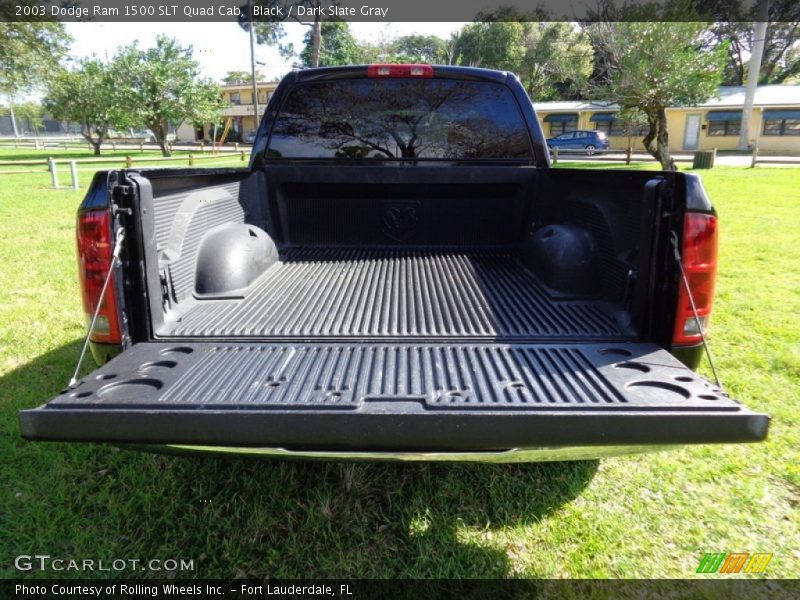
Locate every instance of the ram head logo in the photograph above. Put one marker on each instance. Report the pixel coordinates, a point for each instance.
(400, 220)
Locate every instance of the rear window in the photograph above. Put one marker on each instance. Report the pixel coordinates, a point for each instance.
(389, 119)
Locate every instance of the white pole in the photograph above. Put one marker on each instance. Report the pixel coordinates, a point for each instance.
(73, 169)
(13, 118)
(53, 173)
(753, 72)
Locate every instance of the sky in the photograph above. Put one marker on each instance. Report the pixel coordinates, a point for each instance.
(222, 47)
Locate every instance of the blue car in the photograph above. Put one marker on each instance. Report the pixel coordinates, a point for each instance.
(587, 140)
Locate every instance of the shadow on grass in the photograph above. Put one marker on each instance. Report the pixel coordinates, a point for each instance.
(237, 517)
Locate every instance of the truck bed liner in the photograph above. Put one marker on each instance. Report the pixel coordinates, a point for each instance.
(340, 292)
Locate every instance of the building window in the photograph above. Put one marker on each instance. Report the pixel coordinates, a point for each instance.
(610, 127)
(235, 98)
(563, 127)
(723, 122)
(617, 128)
(773, 126)
(561, 123)
(724, 127)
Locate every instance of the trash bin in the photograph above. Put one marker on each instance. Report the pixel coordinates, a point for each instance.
(704, 159)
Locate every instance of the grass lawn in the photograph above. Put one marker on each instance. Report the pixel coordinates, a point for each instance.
(645, 516)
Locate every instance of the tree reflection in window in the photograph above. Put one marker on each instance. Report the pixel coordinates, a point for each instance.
(400, 119)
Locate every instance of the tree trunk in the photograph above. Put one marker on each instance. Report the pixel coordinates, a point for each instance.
(164, 145)
(94, 142)
(316, 36)
(656, 142)
(160, 132)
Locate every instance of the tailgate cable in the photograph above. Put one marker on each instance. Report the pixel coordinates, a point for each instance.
(679, 260)
(114, 258)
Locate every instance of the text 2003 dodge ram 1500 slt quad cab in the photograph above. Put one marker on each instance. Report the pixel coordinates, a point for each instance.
(398, 274)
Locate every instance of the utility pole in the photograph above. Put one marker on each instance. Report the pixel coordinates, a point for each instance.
(13, 118)
(253, 62)
(753, 71)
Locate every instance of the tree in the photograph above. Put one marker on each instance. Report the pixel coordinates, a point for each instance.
(781, 58)
(161, 85)
(429, 49)
(552, 59)
(339, 47)
(655, 65)
(88, 95)
(557, 61)
(269, 30)
(491, 44)
(33, 113)
(30, 113)
(241, 77)
(28, 54)
(632, 122)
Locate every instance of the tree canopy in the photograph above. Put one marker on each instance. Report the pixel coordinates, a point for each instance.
(29, 54)
(339, 46)
(162, 85)
(551, 59)
(429, 49)
(241, 77)
(654, 65)
(270, 30)
(89, 95)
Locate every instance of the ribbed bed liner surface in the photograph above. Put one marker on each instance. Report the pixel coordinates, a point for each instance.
(395, 292)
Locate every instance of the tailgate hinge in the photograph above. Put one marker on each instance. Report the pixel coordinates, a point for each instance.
(166, 295)
(122, 197)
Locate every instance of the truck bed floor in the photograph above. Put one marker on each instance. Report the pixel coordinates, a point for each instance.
(319, 292)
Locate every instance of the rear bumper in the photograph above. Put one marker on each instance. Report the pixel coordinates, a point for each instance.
(396, 428)
(512, 455)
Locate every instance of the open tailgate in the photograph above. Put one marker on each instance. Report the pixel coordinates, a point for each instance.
(421, 397)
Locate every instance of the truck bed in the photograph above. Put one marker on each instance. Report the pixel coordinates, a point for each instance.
(391, 292)
(360, 335)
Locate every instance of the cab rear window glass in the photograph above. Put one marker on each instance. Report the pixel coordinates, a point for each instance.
(394, 119)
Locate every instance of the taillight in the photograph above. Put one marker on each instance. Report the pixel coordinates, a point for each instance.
(424, 71)
(700, 265)
(95, 250)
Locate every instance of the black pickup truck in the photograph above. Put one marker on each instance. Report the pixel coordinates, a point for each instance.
(397, 274)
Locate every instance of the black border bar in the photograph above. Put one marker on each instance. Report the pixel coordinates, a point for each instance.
(384, 11)
(711, 586)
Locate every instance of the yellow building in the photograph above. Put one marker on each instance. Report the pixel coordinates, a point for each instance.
(238, 101)
(774, 122)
